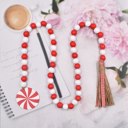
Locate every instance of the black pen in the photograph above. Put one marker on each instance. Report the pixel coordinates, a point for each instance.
(48, 63)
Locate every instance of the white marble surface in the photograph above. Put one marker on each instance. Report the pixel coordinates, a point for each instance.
(85, 115)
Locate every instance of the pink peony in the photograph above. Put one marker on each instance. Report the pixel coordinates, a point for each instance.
(105, 13)
(54, 19)
(117, 40)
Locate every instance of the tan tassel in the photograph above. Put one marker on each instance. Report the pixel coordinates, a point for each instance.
(104, 95)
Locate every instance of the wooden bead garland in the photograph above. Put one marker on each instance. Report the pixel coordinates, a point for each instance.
(101, 95)
(101, 102)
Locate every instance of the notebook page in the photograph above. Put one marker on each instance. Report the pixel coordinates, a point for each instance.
(10, 70)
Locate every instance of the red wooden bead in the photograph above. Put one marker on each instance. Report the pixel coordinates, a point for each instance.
(24, 67)
(43, 23)
(53, 96)
(53, 42)
(77, 66)
(24, 78)
(50, 86)
(70, 106)
(77, 77)
(102, 46)
(78, 98)
(54, 53)
(24, 56)
(50, 31)
(72, 44)
(82, 24)
(74, 55)
(52, 64)
(59, 104)
(50, 75)
(33, 25)
(93, 26)
(100, 34)
(26, 34)
(102, 57)
(78, 87)
(24, 45)
(73, 32)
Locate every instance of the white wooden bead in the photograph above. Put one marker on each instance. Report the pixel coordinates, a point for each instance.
(77, 82)
(55, 101)
(78, 93)
(52, 36)
(75, 60)
(52, 91)
(29, 29)
(65, 106)
(24, 61)
(50, 80)
(73, 49)
(77, 71)
(53, 47)
(25, 39)
(101, 40)
(87, 23)
(96, 30)
(23, 84)
(75, 102)
(77, 27)
(52, 70)
(102, 52)
(48, 26)
(24, 73)
(53, 58)
(24, 50)
(38, 24)
(73, 38)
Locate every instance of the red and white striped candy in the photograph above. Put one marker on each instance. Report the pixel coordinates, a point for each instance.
(27, 98)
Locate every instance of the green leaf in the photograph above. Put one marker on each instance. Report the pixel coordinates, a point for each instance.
(123, 70)
(61, 1)
(125, 11)
(44, 13)
(112, 68)
(120, 82)
(57, 1)
(55, 6)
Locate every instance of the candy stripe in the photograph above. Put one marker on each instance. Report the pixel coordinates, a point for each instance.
(19, 96)
(31, 105)
(21, 101)
(25, 105)
(34, 95)
(29, 91)
(33, 100)
(24, 92)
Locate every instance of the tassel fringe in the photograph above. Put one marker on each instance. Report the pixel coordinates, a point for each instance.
(104, 95)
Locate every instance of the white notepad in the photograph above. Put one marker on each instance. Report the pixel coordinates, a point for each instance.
(10, 71)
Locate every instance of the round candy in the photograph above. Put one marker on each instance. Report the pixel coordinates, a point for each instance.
(27, 98)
